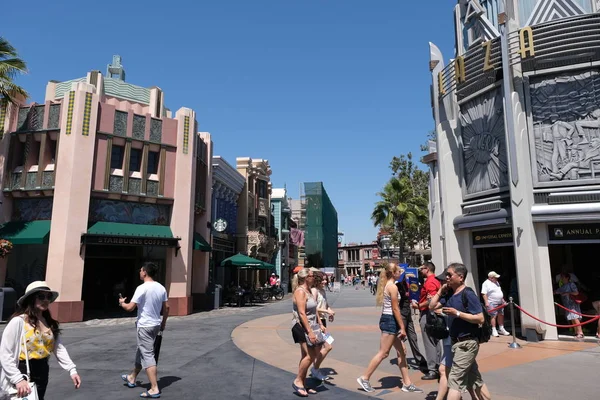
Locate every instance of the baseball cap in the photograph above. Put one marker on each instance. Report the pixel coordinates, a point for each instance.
(493, 274)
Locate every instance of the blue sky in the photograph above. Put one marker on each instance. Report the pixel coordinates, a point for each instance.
(326, 90)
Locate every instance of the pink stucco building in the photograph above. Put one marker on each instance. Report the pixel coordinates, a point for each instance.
(98, 179)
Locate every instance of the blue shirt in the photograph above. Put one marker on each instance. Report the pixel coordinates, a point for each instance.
(460, 327)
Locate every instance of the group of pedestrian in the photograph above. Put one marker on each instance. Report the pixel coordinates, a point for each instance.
(310, 314)
(32, 335)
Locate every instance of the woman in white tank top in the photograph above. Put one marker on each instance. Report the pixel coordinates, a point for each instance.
(392, 330)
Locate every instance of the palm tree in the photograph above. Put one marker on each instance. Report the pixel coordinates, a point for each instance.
(399, 208)
(10, 66)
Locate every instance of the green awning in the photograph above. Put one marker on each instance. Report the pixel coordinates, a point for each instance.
(33, 232)
(136, 230)
(200, 243)
(116, 233)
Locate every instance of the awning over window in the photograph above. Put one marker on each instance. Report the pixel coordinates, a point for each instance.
(115, 233)
(200, 243)
(498, 217)
(33, 232)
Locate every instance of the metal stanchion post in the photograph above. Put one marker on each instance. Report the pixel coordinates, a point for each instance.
(514, 344)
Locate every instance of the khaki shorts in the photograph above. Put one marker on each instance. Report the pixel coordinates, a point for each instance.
(464, 372)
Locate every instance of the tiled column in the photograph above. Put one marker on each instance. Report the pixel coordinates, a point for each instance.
(179, 267)
(73, 180)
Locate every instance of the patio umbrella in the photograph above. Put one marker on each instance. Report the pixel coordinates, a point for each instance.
(240, 260)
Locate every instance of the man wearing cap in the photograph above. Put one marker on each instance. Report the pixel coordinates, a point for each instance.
(493, 298)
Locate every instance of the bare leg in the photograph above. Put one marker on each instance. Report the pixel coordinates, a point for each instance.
(402, 361)
(500, 319)
(493, 322)
(578, 329)
(153, 378)
(325, 349)
(303, 366)
(385, 344)
(443, 385)
(132, 378)
(483, 393)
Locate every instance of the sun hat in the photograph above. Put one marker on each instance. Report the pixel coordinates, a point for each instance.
(35, 287)
(493, 274)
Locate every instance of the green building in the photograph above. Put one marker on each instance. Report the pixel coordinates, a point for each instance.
(321, 229)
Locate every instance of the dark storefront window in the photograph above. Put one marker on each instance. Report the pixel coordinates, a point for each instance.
(153, 157)
(135, 160)
(116, 157)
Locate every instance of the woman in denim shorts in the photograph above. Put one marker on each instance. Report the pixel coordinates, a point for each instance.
(392, 330)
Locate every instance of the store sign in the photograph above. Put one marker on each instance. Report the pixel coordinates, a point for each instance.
(574, 232)
(130, 241)
(493, 236)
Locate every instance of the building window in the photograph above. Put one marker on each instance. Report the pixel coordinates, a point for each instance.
(262, 189)
(52, 146)
(153, 157)
(135, 160)
(116, 157)
(340, 255)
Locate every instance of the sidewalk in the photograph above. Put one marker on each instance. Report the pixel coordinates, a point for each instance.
(357, 334)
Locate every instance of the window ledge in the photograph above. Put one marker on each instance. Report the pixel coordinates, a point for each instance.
(18, 169)
(49, 167)
(116, 172)
(33, 168)
(135, 174)
(152, 177)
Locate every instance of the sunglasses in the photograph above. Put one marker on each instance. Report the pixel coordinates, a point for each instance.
(44, 296)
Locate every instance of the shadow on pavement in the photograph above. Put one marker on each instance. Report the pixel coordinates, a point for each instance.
(163, 382)
(389, 382)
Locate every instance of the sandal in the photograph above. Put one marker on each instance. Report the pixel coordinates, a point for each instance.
(579, 336)
(125, 377)
(298, 389)
(147, 395)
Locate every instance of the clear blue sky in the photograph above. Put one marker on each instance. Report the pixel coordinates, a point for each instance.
(326, 90)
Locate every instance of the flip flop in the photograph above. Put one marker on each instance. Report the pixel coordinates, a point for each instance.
(129, 384)
(147, 395)
(297, 390)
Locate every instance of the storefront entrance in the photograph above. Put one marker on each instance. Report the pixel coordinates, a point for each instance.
(110, 270)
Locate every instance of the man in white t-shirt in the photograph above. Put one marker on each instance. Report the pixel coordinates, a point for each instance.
(493, 298)
(150, 299)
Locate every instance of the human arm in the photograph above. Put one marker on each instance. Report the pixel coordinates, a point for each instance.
(127, 306)
(393, 290)
(64, 360)
(473, 313)
(434, 302)
(165, 315)
(485, 300)
(9, 348)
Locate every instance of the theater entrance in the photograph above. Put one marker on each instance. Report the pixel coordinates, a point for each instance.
(573, 249)
(495, 252)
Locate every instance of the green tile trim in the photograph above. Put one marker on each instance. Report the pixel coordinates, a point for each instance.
(87, 113)
(186, 134)
(70, 112)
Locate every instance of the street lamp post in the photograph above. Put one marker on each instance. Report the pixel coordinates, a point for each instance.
(385, 241)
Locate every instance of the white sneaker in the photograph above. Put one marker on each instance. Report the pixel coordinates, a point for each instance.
(494, 332)
(503, 332)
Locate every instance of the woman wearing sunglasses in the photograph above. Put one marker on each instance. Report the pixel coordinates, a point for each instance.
(33, 325)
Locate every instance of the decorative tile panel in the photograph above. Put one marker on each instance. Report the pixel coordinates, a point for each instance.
(47, 179)
(129, 212)
(54, 116)
(87, 113)
(22, 124)
(115, 184)
(32, 209)
(71, 104)
(134, 186)
(139, 126)
(156, 130)
(151, 188)
(36, 119)
(30, 181)
(3, 106)
(186, 134)
(120, 128)
(15, 181)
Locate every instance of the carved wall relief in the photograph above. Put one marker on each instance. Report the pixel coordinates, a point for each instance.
(484, 143)
(566, 126)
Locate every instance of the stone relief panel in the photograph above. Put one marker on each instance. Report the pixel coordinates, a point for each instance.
(484, 143)
(566, 126)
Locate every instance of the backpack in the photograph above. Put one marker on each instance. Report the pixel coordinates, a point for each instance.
(435, 326)
(484, 333)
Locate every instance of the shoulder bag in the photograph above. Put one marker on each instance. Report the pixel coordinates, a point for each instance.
(12, 392)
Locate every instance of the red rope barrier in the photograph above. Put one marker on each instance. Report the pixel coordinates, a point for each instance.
(597, 317)
(575, 312)
(497, 308)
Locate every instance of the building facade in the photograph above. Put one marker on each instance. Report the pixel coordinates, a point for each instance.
(285, 258)
(517, 117)
(321, 234)
(254, 215)
(228, 185)
(97, 180)
(359, 259)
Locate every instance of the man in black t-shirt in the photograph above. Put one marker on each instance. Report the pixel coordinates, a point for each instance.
(463, 324)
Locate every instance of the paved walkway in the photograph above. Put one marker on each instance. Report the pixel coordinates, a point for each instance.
(547, 370)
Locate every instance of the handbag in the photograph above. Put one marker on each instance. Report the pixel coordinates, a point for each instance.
(12, 392)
